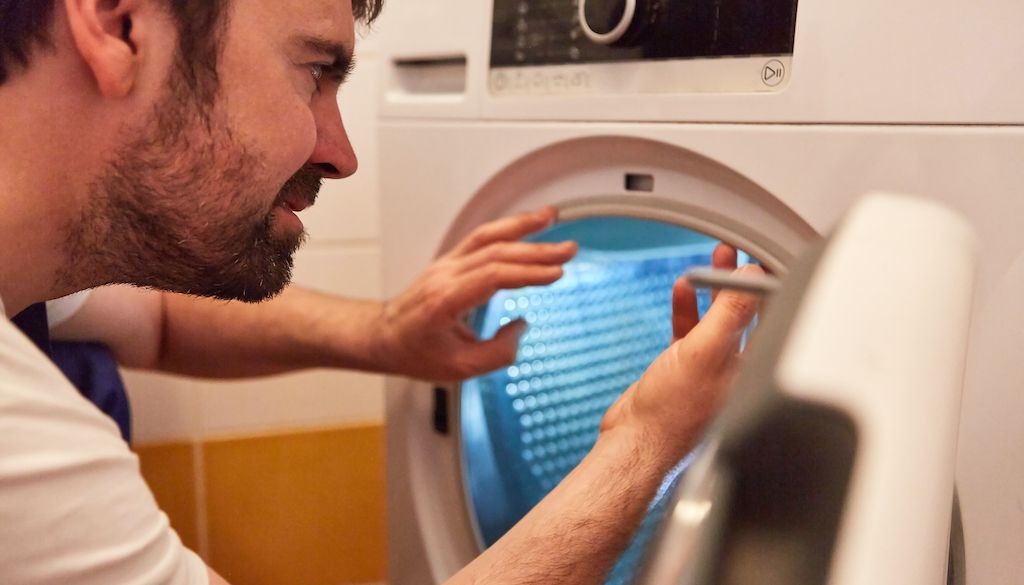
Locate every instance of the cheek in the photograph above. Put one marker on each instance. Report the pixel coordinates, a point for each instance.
(294, 138)
(277, 125)
(263, 100)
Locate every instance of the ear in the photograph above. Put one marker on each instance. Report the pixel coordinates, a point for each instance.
(104, 33)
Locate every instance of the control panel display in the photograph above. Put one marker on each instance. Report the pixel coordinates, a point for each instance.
(641, 46)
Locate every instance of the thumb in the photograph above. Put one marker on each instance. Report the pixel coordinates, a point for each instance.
(498, 351)
(684, 309)
(729, 315)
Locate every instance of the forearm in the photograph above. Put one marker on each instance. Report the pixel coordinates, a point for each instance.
(575, 535)
(298, 329)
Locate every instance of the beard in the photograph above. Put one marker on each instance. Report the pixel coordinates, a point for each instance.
(185, 207)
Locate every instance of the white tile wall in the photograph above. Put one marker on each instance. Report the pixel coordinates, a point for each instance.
(165, 409)
(305, 400)
(348, 210)
(342, 257)
(352, 270)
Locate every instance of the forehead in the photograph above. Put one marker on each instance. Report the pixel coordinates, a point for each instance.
(327, 19)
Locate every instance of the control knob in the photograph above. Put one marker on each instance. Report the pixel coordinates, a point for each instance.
(620, 23)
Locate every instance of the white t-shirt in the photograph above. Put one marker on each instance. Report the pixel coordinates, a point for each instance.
(74, 509)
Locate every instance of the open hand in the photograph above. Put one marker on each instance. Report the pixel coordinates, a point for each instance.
(424, 331)
(676, 398)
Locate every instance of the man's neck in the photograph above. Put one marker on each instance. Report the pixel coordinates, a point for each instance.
(29, 251)
(42, 186)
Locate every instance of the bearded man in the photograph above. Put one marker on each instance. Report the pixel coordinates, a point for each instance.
(169, 145)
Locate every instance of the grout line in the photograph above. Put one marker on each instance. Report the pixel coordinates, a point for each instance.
(202, 519)
(246, 432)
(273, 431)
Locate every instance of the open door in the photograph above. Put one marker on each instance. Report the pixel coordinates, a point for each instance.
(834, 462)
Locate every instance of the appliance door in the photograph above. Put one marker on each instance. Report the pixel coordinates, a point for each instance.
(834, 461)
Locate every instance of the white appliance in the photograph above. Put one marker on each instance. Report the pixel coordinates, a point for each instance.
(754, 121)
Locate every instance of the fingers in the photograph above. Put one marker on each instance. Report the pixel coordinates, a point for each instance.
(493, 258)
(520, 253)
(684, 309)
(723, 325)
(478, 286)
(506, 229)
(723, 258)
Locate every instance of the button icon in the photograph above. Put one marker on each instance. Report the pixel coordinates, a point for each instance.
(774, 73)
(500, 81)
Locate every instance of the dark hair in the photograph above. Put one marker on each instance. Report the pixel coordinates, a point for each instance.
(25, 26)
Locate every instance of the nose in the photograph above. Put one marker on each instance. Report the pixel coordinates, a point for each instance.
(333, 155)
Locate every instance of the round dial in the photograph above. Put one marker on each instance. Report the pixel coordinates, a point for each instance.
(618, 22)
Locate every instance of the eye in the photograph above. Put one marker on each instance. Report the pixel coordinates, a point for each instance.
(317, 70)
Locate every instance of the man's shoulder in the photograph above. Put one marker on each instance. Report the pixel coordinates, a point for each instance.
(75, 507)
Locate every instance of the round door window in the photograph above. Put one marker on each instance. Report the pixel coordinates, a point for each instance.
(590, 336)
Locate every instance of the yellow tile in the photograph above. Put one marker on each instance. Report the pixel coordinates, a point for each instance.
(170, 472)
(305, 508)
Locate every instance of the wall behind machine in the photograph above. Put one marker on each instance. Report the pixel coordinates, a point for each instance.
(281, 480)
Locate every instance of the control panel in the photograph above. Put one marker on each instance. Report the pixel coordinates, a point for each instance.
(641, 46)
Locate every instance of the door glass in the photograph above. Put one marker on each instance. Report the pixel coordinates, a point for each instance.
(590, 336)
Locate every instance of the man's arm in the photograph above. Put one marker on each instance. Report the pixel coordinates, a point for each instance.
(420, 333)
(575, 534)
(154, 330)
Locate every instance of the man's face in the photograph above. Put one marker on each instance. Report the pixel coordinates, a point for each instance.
(203, 198)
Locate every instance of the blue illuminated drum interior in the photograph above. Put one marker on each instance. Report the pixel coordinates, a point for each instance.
(590, 336)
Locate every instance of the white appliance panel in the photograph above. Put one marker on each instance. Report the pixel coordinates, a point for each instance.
(856, 62)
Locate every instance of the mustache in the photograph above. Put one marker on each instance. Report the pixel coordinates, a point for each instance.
(303, 186)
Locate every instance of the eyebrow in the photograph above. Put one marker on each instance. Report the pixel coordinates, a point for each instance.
(343, 61)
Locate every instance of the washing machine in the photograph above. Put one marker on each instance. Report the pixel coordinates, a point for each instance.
(659, 127)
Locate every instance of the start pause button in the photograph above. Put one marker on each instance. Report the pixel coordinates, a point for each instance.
(774, 73)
